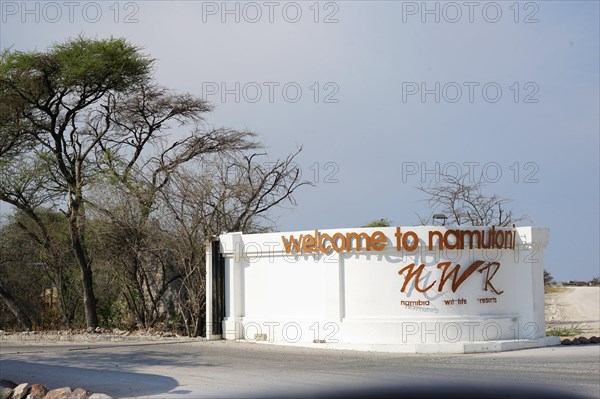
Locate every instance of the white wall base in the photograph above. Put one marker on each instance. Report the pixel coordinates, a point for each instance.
(458, 347)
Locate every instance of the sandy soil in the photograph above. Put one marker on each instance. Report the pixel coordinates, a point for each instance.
(574, 307)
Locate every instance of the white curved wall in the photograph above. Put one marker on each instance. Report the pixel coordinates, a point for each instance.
(356, 297)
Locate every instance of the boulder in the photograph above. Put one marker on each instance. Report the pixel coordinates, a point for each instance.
(594, 340)
(80, 393)
(5, 393)
(583, 340)
(99, 396)
(21, 391)
(38, 391)
(566, 341)
(59, 393)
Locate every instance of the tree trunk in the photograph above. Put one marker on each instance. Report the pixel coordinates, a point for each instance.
(15, 308)
(87, 280)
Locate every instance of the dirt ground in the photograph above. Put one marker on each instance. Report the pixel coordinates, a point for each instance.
(574, 307)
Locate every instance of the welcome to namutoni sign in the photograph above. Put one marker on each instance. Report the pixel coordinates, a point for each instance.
(318, 242)
(409, 289)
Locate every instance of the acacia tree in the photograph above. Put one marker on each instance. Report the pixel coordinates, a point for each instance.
(87, 108)
(379, 223)
(86, 114)
(465, 203)
(54, 97)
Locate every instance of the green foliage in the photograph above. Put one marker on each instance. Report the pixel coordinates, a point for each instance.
(78, 64)
(379, 223)
(564, 331)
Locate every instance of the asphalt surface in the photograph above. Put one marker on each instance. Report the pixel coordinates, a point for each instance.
(218, 369)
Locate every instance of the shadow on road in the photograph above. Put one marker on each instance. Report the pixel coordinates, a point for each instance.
(113, 382)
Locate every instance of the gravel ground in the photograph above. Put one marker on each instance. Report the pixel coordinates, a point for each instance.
(574, 307)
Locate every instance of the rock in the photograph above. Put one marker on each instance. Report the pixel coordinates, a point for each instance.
(566, 341)
(7, 384)
(576, 341)
(21, 391)
(80, 393)
(594, 340)
(59, 393)
(98, 330)
(38, 391)
(99, 396)
(583, 340)
(5, 392)
(89, 330)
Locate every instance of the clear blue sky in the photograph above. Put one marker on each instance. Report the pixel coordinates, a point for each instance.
(361, 116)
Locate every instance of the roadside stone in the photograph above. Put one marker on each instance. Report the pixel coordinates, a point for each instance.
(594, 340)
(38, 391)
(80, 393)
(566, 341)
(5, 393)
(7, 384)
(21, 391)
(100, 396)
(583, 340)
(59, 393)
(576, 341)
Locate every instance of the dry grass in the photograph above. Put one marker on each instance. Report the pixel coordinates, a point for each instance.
(554, 290)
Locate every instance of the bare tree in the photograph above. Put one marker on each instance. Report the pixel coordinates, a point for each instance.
(232, 192)
(132, 179)
(465, 203)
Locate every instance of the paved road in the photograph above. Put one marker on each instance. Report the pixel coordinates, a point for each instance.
(210, 369)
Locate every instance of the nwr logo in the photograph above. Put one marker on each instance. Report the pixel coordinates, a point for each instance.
(413, 276)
